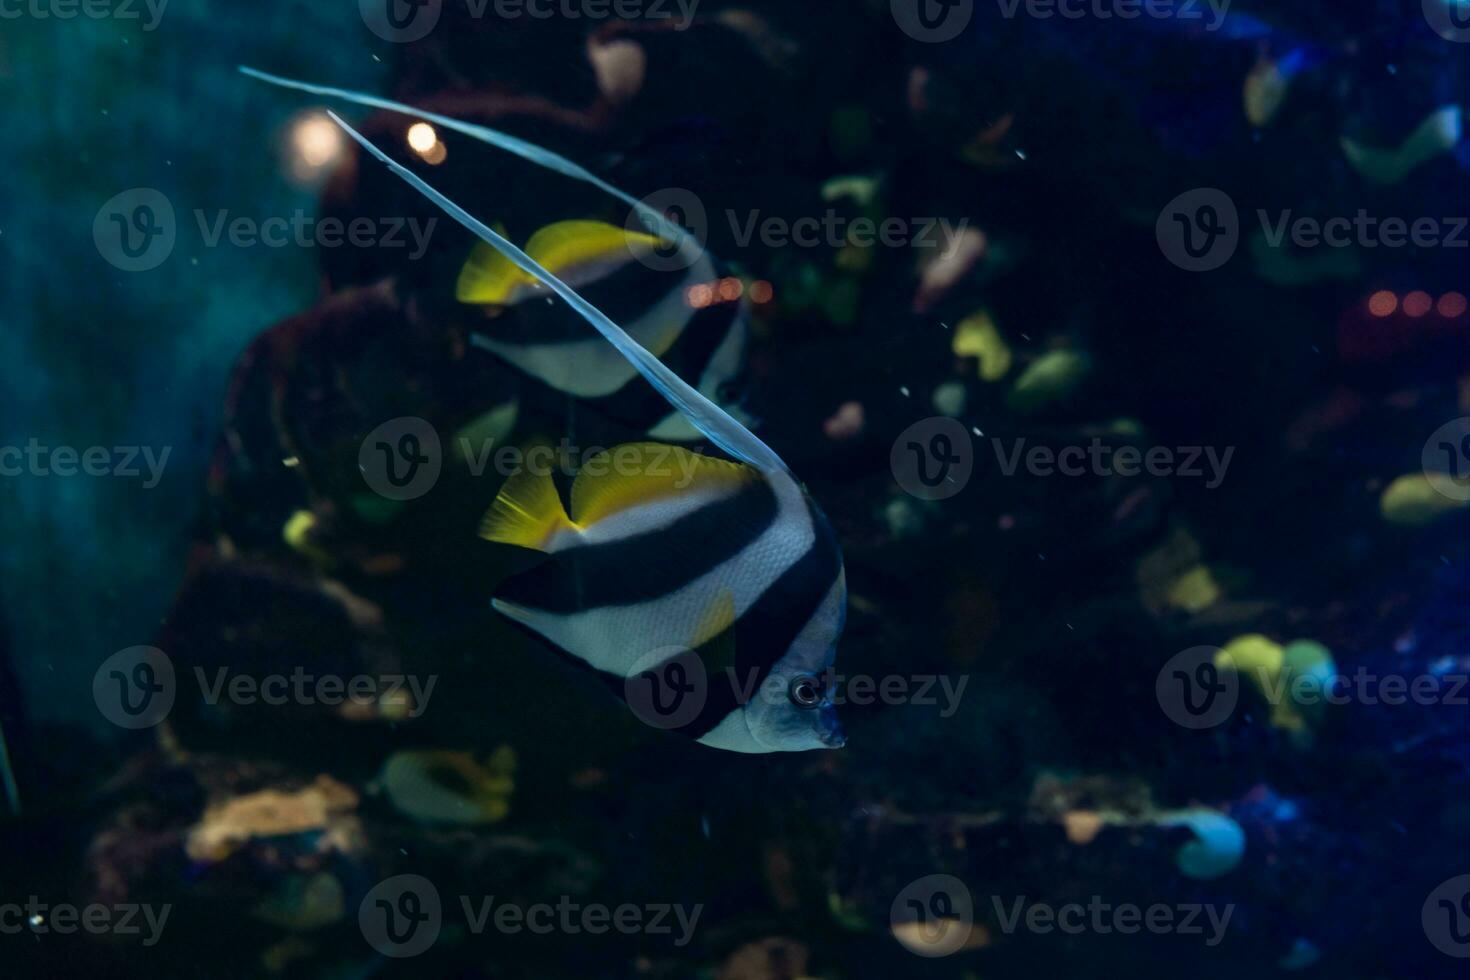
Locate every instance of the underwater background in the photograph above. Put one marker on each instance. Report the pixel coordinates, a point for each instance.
(1123, 344)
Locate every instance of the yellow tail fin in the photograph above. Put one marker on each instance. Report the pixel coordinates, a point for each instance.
(527, 513)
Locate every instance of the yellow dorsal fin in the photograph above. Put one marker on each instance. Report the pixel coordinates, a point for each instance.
(562, 248)
(644, 472)
(488, 277)
(569, 244)
(526, 513)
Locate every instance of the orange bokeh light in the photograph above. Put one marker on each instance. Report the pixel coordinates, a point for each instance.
(731, 289)
(1418, 303)
(761, 292)
(1452, 305)
(1382, 303)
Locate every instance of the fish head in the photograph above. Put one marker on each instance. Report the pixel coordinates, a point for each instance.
(795, 710)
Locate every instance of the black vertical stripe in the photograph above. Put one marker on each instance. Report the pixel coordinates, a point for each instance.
(650, 565)
(769, 628)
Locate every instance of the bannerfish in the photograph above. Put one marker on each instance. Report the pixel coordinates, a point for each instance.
(667, 553)
(707, 343)
(618, 270)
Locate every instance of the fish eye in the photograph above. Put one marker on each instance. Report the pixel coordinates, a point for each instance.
(804, 691)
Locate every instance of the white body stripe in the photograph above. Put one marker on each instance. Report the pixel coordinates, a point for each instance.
(614, 638)
(592, 368)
